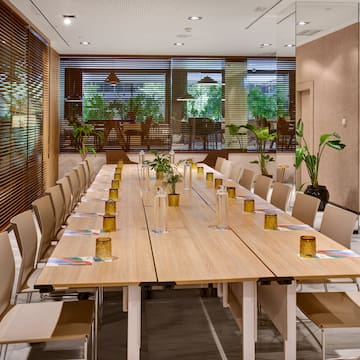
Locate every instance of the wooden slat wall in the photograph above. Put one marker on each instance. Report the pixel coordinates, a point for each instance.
(23, 94)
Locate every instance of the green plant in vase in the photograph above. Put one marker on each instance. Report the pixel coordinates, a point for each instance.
(312, 160)
(81, 132)
(171, 179)
(160, 163)
(262, 136)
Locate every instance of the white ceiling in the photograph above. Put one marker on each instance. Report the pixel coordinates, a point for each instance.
(151, 27)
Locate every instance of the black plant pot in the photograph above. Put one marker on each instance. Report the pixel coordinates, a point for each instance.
(320, 192)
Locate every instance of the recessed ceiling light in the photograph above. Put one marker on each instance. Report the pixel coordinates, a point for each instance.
(302, 23)
(194, 17)
(85, 43)
(179, 44)
(289, 45)
(3, 41)
(265, 45)
(68, 19)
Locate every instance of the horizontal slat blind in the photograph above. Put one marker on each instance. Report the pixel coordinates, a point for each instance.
(21, 106)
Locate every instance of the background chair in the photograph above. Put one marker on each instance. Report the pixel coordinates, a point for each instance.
(58, 204)
(280, 196)
(67, 196)
(262, 186)
(247, 179)
(75, 187)
(113, 156)
(212, 156)
(305, 208)
(218, 163)
(38, 322)
(46, 219)
(226, 168)
(330, 310)
(236, 171)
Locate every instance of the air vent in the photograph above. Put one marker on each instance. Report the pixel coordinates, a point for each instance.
(308, 32)
(183, 36)
(260, 9)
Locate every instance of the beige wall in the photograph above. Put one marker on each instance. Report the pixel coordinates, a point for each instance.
(52, 136)
(331, 65)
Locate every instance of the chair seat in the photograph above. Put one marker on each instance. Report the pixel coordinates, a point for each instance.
(331, 309)
(54, 321)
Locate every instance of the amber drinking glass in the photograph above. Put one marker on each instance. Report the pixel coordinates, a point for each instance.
(200, 170)
(249, 205)
(218, 183)
(270, 221)
(231, 192)
(209, 176)
(115, 184)
(308, 246)
(109, 223)
(110, 207)
(113, 194)
(103, 248)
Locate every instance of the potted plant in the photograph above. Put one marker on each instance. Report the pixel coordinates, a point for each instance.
(160, 163)
(81, 133)
(234, 130)
(171, 179)
(312, 160)
(262, 135)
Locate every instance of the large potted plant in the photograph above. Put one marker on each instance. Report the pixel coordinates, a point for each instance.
(312, 160)
(262, 136)
(81, 133)
(160, 163)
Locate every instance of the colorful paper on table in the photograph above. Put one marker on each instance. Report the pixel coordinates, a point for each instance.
(336, 254)
(69, 232)
(84, 215)
(260, 211)
(75, 260)
(287, 227)
(97, 190)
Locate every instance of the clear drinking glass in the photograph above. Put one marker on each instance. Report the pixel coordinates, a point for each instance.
(221, 208)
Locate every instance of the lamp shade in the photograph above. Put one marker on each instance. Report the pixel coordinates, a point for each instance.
(112, 79)
(185, 97)
(207, 80)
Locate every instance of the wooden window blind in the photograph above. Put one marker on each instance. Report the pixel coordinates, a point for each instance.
(23, 78)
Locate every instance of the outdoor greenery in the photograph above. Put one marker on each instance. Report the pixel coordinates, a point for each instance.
(312, 160)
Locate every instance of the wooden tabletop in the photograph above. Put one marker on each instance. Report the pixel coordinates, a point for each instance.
(132, 257)
(279, 250)
(193, 251)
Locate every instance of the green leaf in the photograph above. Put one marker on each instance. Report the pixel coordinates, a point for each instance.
(300, 128)
(335, 144)
(299, 156)
(254, 162)
(324, 137)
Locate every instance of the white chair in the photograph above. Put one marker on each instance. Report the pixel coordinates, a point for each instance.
(38, 322)
(58, 203)
(247, 179)
(218, 163)
(226, 168)
(67, 196)
(280, 196)
(262, 186)
(236, 171)
(305, 208)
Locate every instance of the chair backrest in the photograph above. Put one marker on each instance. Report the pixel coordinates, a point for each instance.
(90, 163)
(26, 237)
(226, 168)
(67, 195)
(247, 178)
(81, 177)
(236, 171)
(58, 203)
(7, 272)
(46, 219)
(280, 195)
(262, 186)
(85, 167)
(74, 186)
(305, 208)
(338, 224)
(218, 163)
(113, 156)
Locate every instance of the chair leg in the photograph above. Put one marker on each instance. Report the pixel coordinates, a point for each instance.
(125, 299)
(96, 323)
(323, 344)
(28, 297)
(4, 348)
(85, 351)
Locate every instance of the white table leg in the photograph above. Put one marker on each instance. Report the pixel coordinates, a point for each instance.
(219, 290)
(249, 319)
(290, 339)
(134, 322)
(225, 294)
(125, 299)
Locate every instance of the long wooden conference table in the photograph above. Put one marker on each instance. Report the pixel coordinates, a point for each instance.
(260, 265)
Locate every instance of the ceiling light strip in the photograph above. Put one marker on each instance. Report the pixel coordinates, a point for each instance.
(262, 15)
(48, 21)
(286, 17)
